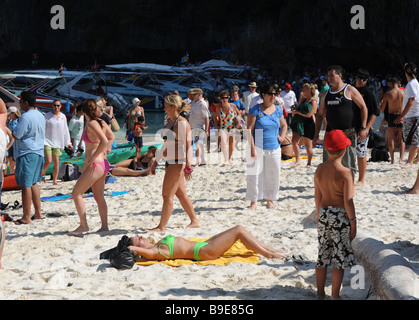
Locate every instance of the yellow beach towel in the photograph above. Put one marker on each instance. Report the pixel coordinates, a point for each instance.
(237, 253)
(293, 159)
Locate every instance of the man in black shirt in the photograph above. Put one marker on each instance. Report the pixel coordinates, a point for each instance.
(361, 80)
(337, 107)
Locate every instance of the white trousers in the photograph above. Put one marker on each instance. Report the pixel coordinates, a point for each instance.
(263, 174)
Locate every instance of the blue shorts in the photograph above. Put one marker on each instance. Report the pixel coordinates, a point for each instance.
(29, 169)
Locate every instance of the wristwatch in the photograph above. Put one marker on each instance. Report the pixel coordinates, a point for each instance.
(363, 128)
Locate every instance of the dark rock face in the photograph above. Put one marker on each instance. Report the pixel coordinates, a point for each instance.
(291, 36)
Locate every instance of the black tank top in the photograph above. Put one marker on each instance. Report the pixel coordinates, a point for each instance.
(339, 110)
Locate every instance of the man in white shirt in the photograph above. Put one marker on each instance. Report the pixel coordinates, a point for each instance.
(248, 96)
(289, 100)
(57, 136)
(410, 114)
(76, 127)
(199, 120)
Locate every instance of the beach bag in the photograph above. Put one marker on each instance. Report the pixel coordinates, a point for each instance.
(121, 257)
(239, 122)
(379, 154)
(114, 125)
(69, 172)
(130, 136)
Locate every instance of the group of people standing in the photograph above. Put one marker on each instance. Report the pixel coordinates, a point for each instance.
(346, 112)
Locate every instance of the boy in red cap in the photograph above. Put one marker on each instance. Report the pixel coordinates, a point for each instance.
(334, 191)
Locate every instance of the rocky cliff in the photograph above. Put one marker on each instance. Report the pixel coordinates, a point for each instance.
(285, 36)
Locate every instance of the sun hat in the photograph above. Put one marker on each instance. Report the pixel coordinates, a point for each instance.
(253, 84)
(336, 140)
(135, 100)
(15, 111)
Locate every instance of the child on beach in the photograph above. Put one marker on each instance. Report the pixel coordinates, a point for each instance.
(138, 134)
(334, 191)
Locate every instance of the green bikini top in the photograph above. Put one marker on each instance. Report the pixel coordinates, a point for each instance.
(169, 241)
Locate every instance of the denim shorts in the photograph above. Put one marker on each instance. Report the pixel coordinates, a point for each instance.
(29, 169)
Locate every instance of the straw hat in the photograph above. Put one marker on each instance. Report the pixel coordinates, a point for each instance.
(15, 111)
(253, 85)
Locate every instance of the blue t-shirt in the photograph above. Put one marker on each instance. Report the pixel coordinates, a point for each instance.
(270, 125)
(239, 104)
(31, 134)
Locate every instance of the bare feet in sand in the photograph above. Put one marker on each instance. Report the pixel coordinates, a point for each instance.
(270, 204)
(295, 165)
(412, 191)
(194, 224)
(252, 205)
(80, 230)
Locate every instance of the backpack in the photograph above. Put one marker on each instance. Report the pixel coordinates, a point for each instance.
(69, 172)
(379, 154)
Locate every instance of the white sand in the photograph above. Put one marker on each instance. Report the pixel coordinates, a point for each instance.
(42, 262)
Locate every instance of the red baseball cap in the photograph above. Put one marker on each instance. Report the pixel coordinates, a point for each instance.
(336, 140)
(288, 86)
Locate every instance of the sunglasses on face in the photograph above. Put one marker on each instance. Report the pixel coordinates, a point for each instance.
(271, 94)
(224, 98)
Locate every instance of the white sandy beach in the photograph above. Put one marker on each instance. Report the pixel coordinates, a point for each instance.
(42, 261)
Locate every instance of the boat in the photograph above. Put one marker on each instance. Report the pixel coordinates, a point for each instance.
(9, 98)
(17, 83)
(91, 85)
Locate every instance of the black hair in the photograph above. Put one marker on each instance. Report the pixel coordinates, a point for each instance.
(265, 88)
(29, 97)
(338, 69)
(411, 69)
(363, 74)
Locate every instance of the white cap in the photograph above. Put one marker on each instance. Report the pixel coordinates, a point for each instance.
(135, 100)
(12, 110)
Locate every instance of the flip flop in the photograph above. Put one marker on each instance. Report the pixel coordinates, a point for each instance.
(19, 222)
(33, 218)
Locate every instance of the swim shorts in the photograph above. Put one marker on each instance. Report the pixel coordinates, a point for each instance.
(411, 131)
(361, 147)
(53, 151)
(391, 118)
(334, 230)
(29, 169)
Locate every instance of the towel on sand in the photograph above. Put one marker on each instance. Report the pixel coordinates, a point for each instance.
(237, 253)
(61, 197)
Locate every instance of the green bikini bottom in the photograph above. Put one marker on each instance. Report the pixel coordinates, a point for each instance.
(170, 240)
(198, 247)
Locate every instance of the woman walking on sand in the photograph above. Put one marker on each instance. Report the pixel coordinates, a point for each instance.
(266, 131)
(98, 138)
(177, 151)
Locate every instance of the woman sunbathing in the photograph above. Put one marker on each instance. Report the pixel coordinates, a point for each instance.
(172, 247)
(142, 166)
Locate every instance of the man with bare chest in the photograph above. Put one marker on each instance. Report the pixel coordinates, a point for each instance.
(394, 100)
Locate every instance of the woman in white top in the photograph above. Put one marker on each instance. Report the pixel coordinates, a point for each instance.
(134, 113)
(57, 136)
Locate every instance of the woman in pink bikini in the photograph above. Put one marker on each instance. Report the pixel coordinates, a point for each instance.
(98, 138)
